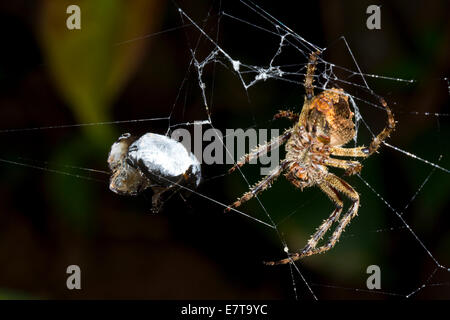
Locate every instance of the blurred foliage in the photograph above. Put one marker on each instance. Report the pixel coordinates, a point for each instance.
(74, 200)
(90, 66)
(7, 294)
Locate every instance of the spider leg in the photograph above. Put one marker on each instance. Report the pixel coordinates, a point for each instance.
(259, 187)
(343, 187)
(262, 149)
(333, 194)
(309, 85)
(159, 191)
(309, 78)
(156, 198)
(287, 114)
(376, 142)
(351, 167)
(349, 152)
(351, 213)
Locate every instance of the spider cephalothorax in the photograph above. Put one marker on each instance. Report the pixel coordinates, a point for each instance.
(324, 125)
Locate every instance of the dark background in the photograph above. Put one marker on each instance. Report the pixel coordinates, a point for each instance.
(50, 76)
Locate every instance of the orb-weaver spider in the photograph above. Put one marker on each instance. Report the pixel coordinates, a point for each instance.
(323, 127)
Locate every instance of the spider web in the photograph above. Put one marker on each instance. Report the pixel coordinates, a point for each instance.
(216, 58)
(361, 95)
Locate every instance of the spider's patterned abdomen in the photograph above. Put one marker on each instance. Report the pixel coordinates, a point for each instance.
(330, 114)
(306, 154)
